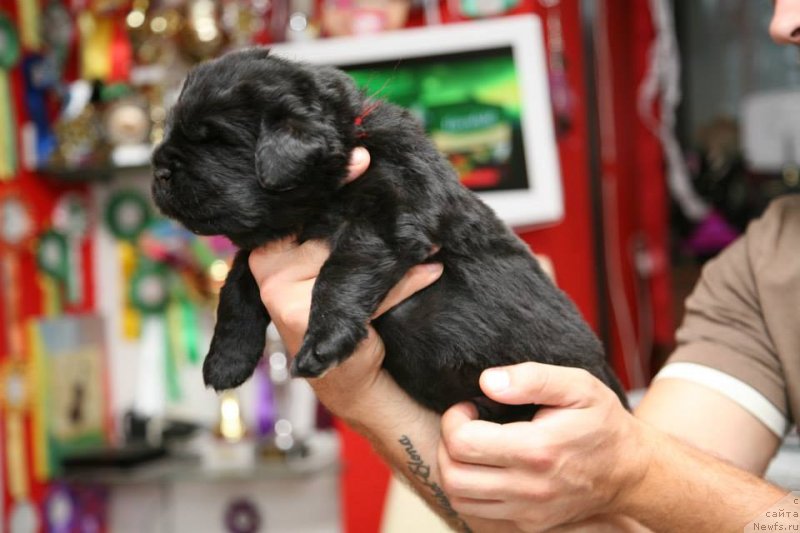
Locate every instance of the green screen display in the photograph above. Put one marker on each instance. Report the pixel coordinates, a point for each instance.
(470, 105)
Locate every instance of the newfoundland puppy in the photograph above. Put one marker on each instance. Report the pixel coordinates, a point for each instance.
(257, 148)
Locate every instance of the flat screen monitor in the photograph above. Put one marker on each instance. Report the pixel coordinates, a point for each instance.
(481, 91)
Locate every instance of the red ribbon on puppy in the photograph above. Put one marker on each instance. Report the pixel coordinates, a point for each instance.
(359, 120)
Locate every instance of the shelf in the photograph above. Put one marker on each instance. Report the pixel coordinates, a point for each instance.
(93, 174)
(134, 160)
(322, 458)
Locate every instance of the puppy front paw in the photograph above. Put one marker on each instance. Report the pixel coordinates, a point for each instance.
(230, 363)
(321, 352)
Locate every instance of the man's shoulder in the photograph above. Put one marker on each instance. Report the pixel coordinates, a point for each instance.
(776, 235)
(782, 213)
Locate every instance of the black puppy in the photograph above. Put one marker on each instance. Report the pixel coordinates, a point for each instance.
(257, 148)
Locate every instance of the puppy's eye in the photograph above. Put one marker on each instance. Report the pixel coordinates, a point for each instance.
(198, 132)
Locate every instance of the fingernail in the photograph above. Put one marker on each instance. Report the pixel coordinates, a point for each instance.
(358, 156)
(496, 379)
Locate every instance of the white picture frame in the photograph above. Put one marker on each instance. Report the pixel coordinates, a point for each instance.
(542, 201)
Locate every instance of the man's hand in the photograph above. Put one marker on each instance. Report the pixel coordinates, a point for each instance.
(358, 391)
(572, 461)
(584, 455)
(286, 273)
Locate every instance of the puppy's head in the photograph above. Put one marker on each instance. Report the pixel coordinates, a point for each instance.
(254, 145)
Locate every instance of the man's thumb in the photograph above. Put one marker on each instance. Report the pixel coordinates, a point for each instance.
(556, 386)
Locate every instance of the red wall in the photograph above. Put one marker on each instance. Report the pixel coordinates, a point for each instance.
(633, 178)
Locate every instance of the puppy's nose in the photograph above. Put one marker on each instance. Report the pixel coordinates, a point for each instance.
(162, 173)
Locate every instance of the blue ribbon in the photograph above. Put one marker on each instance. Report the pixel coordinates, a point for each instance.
(39, 76)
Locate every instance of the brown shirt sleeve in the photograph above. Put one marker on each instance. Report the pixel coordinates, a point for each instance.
(726, 326)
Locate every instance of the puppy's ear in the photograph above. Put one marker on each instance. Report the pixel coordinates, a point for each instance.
(285, 154)
(257, 52)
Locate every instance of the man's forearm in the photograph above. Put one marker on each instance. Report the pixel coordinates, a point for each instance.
(410, 451)
(685, 489)
(407, 436)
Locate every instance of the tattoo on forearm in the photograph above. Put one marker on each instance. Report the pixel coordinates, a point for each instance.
(422, 473)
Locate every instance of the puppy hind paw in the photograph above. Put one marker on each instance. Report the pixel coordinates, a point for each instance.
(325, 349)
(309, 364)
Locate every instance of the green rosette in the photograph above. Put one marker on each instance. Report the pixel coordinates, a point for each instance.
(150, 294)
(127, 214)
(149, 288)
(52, 255)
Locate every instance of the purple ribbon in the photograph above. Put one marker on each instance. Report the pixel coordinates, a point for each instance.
(60, 510)
(265, 400)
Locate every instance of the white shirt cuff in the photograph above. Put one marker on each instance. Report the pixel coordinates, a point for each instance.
(732, 388)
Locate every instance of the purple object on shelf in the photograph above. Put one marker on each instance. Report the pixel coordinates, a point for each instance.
(711, 235)
(265, 400)
(242, 516)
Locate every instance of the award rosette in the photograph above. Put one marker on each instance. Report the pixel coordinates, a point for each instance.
(71, 219)
(52, 251)
(127, 214)
(16, 232)
(15, 397)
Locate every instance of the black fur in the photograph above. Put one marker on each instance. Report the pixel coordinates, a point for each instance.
(257, 148)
